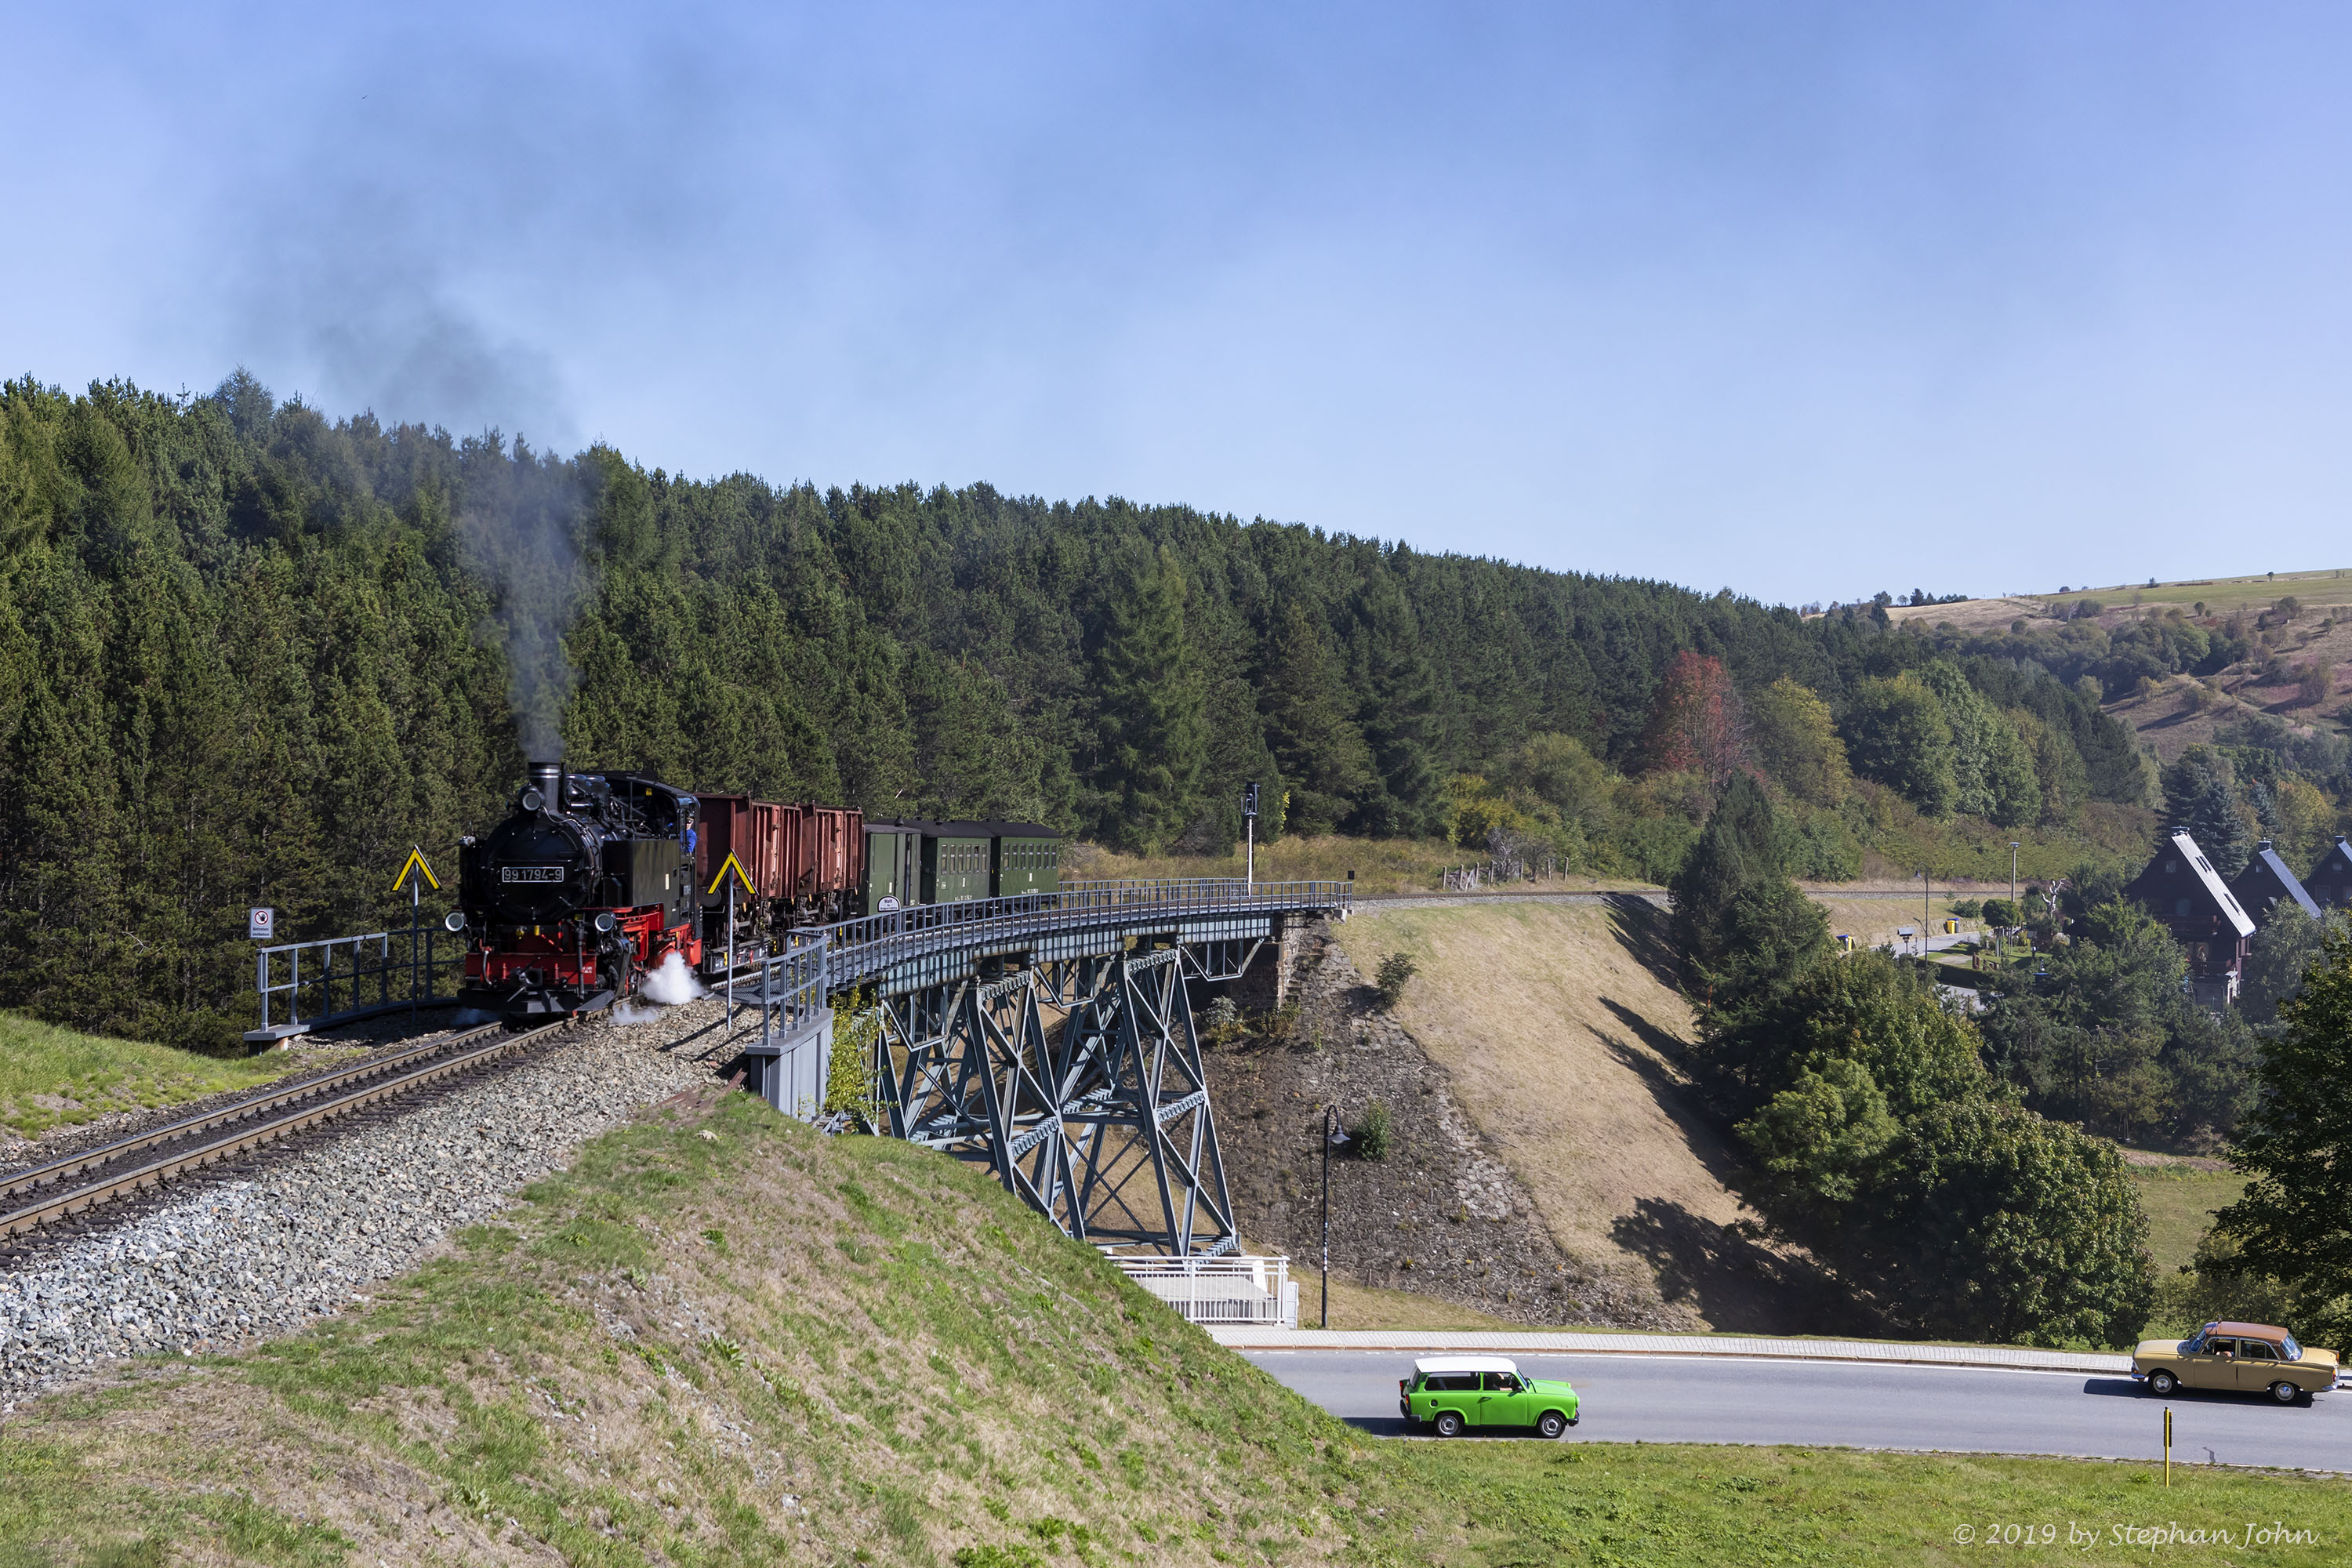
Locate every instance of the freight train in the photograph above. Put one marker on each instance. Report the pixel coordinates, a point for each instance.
(596, 880)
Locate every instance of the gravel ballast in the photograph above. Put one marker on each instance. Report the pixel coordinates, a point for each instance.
(235, 1260)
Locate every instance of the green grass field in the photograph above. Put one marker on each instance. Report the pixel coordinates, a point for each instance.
(2179, 1201)
(731, 1341)
(51, 1076)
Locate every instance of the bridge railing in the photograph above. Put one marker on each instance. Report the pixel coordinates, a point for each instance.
(791, 989)
(1205, 893)
(874, 943)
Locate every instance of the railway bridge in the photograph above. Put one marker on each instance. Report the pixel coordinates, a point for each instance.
(1050, 1037)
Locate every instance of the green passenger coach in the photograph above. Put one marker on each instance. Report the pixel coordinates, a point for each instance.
(894, 858)
(1028, 859)
(955, 862)
(910, 861)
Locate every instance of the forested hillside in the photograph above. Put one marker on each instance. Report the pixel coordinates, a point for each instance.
(249, 654)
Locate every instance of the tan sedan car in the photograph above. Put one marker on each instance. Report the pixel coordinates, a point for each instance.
(2249, 1358)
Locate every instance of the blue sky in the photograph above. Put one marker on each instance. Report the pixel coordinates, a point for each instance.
(1808, 300)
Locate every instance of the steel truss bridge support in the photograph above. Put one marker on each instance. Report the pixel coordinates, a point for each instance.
(1101, 1119)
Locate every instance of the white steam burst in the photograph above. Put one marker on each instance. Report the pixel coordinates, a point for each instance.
(671, 983)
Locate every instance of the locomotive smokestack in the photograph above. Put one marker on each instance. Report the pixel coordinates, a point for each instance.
(547, 778)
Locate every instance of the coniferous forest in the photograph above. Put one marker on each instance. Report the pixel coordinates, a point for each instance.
(250, 653)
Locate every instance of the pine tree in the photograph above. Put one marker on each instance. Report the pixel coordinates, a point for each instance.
(1323, 755)
(1739, 848)
(1396, 715)
(2201, 794)
(1153, 734)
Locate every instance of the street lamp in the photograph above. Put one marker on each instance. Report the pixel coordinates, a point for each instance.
(1333, 1136)
(1249, 828)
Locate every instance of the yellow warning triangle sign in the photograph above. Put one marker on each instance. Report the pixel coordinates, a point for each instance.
(732, 864)
(416, 863)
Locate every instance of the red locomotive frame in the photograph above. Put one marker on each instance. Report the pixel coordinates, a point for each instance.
(562, 956)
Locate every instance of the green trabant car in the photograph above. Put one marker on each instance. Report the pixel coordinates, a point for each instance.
(1453, 1393)
(2247, 1358)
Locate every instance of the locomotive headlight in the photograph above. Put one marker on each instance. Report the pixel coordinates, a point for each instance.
(455, 920)
(530, 800)
(605, 922)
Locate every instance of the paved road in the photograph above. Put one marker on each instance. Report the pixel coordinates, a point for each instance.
(1683, 1399)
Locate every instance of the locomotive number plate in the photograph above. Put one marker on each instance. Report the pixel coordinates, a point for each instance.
(530, 873)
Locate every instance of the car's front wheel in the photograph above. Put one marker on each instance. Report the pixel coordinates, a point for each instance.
(1449, 1423)
(2162, 1384)
(1552, 1424)
(2285, 1391)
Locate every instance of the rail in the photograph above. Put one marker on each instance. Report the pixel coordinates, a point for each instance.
(261, 1118)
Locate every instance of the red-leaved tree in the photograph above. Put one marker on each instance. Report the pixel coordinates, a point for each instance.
(1696, 722)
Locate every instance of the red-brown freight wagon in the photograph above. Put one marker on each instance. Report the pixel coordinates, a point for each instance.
(805, 863)
(830, 868)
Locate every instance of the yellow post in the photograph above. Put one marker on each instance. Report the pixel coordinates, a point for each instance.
(2168, 1444)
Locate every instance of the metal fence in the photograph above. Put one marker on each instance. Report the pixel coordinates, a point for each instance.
(379, 972)
(1227, 1289)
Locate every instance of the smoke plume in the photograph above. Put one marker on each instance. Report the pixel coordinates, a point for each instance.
(520, 519)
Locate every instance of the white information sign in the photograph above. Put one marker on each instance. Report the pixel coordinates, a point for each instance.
(260, 925)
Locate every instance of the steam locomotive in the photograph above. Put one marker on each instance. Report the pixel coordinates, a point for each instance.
(596, 880)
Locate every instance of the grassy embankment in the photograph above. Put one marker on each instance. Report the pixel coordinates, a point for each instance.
(766, 1346)
(52, 1077)
(2180, 1196)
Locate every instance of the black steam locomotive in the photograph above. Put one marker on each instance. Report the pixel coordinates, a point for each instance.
(586, 887)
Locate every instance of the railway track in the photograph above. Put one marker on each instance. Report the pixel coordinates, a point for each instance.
(43, 1195)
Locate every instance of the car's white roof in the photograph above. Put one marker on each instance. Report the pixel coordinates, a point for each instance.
(1465, 1363)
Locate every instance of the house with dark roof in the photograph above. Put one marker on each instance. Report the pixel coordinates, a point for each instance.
(2186, 896)
(2330, 882)
(2267, 883)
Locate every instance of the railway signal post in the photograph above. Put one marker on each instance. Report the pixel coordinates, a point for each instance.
(732, 864)
(409, 872)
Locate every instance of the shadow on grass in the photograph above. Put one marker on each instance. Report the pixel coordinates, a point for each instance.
(1643, 931)
(1735, 1283)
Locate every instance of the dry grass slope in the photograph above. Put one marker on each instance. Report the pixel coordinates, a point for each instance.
(1560, 1037)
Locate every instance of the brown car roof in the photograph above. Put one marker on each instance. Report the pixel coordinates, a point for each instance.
(2251, 1330)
